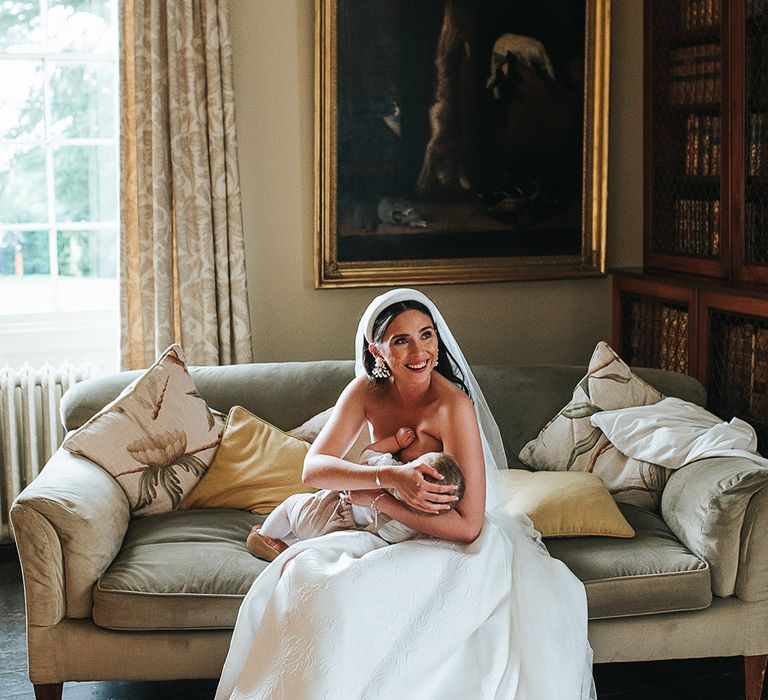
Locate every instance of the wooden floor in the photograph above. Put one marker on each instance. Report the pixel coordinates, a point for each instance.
(697, 679)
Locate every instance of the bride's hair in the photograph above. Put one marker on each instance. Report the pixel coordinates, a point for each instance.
(446, 365)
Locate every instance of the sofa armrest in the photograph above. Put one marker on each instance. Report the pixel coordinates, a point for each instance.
(706, 505)
(69, 524)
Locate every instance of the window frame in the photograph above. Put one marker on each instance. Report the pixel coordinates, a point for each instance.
(25, 335)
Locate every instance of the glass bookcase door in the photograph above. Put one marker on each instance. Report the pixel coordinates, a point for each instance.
(735, 334)
(655, 323)
(751, 252)
(684, 137)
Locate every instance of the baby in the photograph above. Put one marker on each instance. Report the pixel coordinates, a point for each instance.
(309, 515)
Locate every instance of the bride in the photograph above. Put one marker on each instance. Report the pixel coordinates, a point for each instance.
(475, 609)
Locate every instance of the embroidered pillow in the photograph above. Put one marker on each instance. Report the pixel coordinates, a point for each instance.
(156, 438)
(569, 442)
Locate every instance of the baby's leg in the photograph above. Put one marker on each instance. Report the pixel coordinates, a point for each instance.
(277, 524)
(265, 541)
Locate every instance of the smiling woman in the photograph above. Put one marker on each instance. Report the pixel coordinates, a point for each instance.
(58, 180)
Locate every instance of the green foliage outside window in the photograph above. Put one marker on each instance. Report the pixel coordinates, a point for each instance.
(81, 107)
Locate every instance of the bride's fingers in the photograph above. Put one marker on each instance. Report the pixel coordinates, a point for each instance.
(442, 498)
(430, 471)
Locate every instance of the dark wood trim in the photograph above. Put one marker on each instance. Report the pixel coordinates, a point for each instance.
(48, 691)
(754, 676)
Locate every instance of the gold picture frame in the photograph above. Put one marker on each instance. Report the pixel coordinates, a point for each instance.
(450, 148)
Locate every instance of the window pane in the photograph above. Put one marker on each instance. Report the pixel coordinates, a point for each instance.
(25, 280)
(81, 25)
(82, 100)
(20, 28)
(87, 253)
(87, 269)
(21, 99)
(85, 180)
(23, 196)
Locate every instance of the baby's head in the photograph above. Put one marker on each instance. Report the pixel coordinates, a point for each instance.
(449, 468)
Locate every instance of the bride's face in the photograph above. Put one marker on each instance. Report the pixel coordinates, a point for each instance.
(409, 345)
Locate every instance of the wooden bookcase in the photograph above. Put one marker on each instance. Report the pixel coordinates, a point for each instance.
(699, 305)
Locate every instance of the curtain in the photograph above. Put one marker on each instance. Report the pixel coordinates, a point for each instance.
(182, 248)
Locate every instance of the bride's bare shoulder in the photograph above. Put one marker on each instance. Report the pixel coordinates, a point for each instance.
(360, 389)
(449, 392)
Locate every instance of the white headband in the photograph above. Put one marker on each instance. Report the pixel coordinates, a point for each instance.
(393, 296)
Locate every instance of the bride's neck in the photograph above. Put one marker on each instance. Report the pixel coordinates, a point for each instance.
(410, 394)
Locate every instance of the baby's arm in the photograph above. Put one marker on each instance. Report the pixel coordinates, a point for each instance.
(394, 443)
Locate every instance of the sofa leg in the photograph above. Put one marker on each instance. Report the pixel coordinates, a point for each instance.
(48, 691)
(754, 674)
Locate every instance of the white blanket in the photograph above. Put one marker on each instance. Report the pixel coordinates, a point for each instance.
(673, 433)
(353, 618)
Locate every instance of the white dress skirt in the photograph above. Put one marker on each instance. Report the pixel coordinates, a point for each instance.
(352, 617)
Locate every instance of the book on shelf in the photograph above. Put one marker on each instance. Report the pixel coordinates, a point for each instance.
(662, 360)
(758, 401)
(696, 229)
(699, 14)
(757, 144)
(633, 324)
(694, 74)
(702, 146)
(681, 351)
(736, 386)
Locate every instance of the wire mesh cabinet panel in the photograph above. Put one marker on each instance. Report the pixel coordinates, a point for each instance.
(750, 126)
(684, 122)
(655, 323)
(733, 357)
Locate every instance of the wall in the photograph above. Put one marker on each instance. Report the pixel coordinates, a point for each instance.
(523, 322)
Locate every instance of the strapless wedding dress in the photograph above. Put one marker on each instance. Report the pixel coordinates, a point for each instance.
(352, 617)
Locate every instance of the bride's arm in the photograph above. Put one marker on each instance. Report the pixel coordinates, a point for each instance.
(462, 441)
(323, 466)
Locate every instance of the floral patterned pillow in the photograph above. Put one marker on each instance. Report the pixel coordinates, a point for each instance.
(156, 438)
(569, 442)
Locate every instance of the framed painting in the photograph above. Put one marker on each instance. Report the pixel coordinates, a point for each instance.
(460, 140)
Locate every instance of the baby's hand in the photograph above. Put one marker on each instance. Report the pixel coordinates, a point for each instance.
(405, 437)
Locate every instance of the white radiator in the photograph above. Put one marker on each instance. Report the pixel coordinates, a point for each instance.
(30, 426)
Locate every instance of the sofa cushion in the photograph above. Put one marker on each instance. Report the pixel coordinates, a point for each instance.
(650, 573)
(190, 570)
(180, 570)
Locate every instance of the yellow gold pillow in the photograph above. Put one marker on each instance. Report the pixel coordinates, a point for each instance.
(563, 504)
(256, 467)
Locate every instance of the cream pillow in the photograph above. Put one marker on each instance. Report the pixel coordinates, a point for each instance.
(569, 442)
(256, 467)
(563, 504)
(311, 429)
(156, 438)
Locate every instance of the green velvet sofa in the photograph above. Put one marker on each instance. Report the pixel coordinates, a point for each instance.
(110, 597)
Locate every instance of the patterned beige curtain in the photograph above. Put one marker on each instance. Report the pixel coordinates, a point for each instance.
(182, 268)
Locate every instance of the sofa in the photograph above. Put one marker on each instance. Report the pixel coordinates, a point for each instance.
(109, 597)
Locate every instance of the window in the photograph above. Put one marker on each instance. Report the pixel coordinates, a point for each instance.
(58, 165)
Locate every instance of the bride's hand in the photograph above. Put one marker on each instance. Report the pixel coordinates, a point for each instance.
(419, 493)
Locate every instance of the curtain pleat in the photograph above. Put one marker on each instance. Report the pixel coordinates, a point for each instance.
(183, 275)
